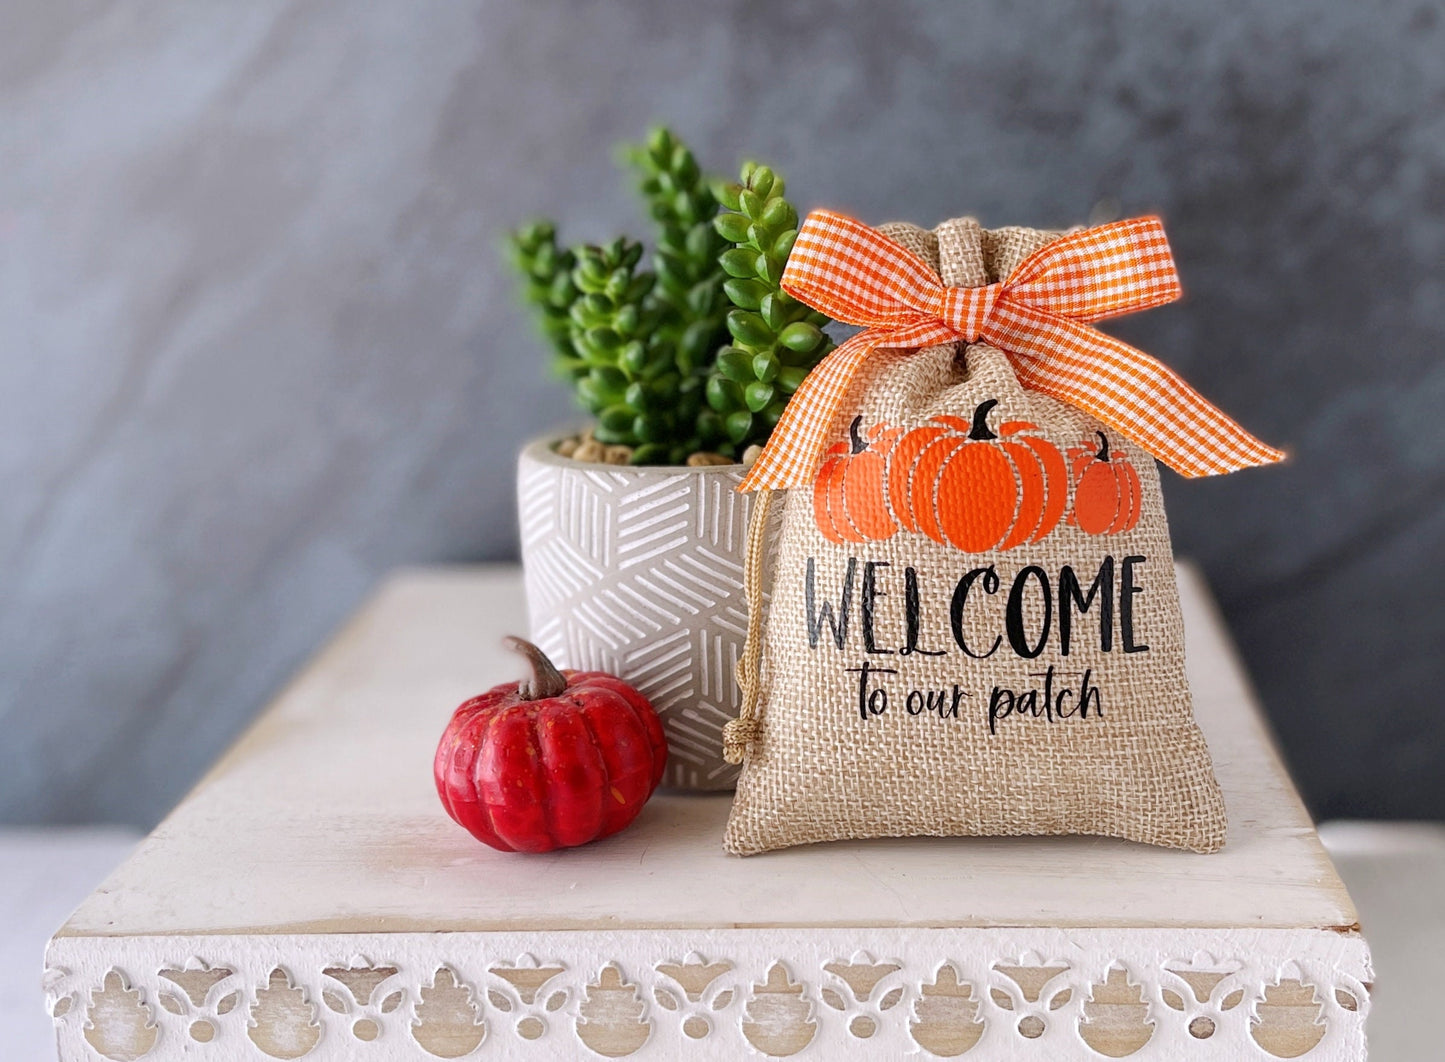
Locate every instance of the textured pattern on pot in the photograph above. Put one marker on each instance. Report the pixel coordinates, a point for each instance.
(638, 572)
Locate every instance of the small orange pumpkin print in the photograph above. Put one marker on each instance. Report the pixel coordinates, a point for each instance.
(1107, 493)
(848, 495)
(960, 483)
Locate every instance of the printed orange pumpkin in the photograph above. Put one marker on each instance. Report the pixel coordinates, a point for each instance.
(901, 463)
(959, 483)
(848, 496)
(1106, 489)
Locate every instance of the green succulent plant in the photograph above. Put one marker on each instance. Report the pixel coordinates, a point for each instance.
(632, 382)
(546, 275)
(689, 277)
(703, 352)
(776, 340)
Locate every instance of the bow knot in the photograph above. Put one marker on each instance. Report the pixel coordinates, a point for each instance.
(965, 310)
(1039, 316)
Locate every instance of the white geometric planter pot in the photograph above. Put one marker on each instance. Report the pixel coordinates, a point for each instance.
(638, 572)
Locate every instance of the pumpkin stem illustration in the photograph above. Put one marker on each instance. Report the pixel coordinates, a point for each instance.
(1103, 454)
(980, 430)
(855, 436)
(545, 680)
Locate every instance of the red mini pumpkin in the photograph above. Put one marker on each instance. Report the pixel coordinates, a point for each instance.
(958, 482)
(1106, 489)
(554, 761)
(848, 495)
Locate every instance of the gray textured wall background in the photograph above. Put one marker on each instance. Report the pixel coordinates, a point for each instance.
(256, 348)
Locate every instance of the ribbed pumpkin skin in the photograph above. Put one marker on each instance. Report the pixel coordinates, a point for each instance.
(534, 776)
(1107, 494)
(962, 484)
(848, 495)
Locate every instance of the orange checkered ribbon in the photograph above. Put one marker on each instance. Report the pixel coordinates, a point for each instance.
(1039, 316)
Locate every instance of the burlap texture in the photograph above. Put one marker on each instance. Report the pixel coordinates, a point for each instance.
(819, 771)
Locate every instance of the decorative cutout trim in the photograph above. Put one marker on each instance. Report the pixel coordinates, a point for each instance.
(825, 994)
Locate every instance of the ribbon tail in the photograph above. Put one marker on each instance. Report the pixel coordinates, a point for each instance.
(1130, 392)
(792, 453)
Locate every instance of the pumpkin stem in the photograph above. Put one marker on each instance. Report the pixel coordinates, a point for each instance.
(1103, 454)
(980, 430)
(855, 436)
(545, 680)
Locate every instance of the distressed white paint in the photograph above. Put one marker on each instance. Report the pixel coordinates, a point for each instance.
(319, 837)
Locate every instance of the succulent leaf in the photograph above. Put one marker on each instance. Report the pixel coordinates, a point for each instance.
(687, 300)
(615, 329)
(776, 340)
(545, 272)
(702, 350)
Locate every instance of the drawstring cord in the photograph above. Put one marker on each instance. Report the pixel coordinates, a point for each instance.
(740, 733)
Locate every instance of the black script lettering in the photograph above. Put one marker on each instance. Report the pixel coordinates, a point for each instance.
(912, 616)
(1127, 589)
(1051, 703)
(871, 702)
(870, 594)
(947, 710)
(994, 700)
(837, 622)
(920, 701)
(958, 695)
(1027, 703)
(1059, 709)
(960, 601)
(1072, 597)
(1089, 696)
(1014, 617)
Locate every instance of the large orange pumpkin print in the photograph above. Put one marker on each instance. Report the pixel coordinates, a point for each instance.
(1106, 489)
(848, 495)
(960, 483)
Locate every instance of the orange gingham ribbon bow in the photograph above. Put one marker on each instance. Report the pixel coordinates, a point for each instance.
(1039, 316)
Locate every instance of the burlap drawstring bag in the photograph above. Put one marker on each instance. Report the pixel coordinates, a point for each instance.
(974, 627)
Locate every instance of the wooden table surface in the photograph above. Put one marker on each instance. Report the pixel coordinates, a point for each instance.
(314, 867)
